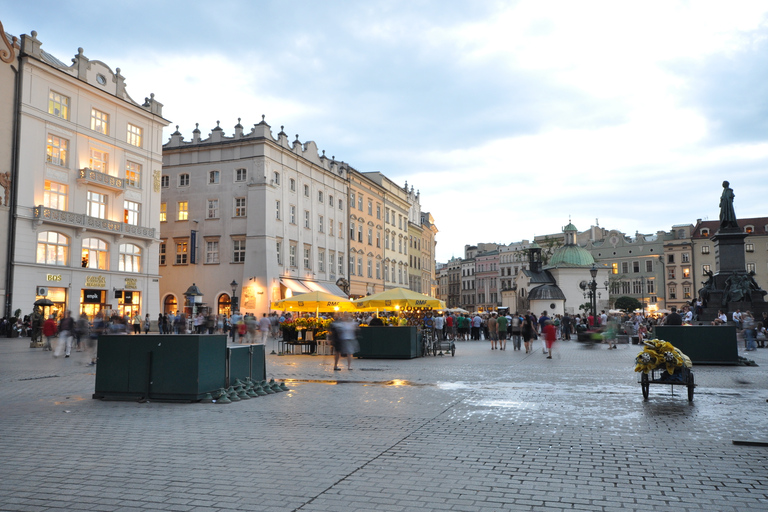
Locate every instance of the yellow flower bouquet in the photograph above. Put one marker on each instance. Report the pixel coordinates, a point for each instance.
(659, 354)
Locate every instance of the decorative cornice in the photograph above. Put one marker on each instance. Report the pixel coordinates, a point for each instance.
(7, 55)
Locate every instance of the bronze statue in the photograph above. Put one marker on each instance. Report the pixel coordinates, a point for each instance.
(727, 213)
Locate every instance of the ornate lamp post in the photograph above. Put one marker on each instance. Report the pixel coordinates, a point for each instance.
(593, 291)
(233, 304)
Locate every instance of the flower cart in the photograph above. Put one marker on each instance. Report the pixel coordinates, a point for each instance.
(661, 363)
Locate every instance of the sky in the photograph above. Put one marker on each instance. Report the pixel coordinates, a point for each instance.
(509, 117)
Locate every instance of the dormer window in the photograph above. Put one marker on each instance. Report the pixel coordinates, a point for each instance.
(749, 229)
(705, 232)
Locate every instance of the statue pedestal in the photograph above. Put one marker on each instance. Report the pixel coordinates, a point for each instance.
(729, 251)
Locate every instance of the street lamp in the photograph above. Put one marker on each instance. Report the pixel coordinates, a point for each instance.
(233, 304)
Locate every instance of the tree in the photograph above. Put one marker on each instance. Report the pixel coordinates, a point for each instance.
(627, 303)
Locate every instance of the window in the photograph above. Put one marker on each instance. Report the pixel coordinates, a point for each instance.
(330, 201)
(99, 161)
(614, 268)
(341, 230)
(321, 261)
(306, 190)
(351, 265)
(624, 267)
(686, 272)
(386, 273)
(279, 250)
(352, 231)
(749, 247)
(58, 105)
(99, 121)
(637, 287)
(360, 233)
(276, 178)
(651, 285)
(52, 248)
(306, 219)
(133, 174)
(320, 223)
(705, 232)
(214, 177)
(292, 255)
(399, 244)
(277, 210)
(238, 251)
(704, 249)
(162, 253)
(378, 211)
(671, 273)
(341, 205)
(378, 270)
(129, 259)
(352, 199)
(184, 180)
(648, 265)
(182, 211)
(57, 150)
(705, 269)
(370, 207)
(131, 211)
(293, 185)
(670, 258)
(212, 212)
(320, 196)
(387, 216)
(239, 207)
(387, 242)
(241, 174)
(135, 134)
(686, 292)
(55, 195)
(360, 202)
(332, 263)
(96, 205)
(341, 264)
(400, 221)
(165, 181)
(182, 249)
(211, 251)
(163, 212)
(94, 254)
(370, 268)
(751, 267)
(685, 257)
(749, 229)
(360, 265)
(636, 267)
(370, 236)
(378, 238)
(306, 258)
(330, 227)
(293, 214)
(624, 286)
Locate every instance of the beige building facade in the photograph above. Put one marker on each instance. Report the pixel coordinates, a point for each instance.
(9, 51)
(366, 235)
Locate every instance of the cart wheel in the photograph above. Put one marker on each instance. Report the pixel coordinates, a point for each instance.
(645, 385)
(453, 349)
(691, 385)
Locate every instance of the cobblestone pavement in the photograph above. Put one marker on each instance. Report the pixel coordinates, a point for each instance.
(482, 431)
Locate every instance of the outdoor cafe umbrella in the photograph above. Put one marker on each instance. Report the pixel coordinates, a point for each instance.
(399, 297)
(314, 302)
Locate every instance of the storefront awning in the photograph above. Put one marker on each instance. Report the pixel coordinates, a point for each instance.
(294, 285)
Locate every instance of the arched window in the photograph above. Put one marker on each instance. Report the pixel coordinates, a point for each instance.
(130, 258)
(224, 305)
(52, 248)
(169, 305)
(95, 254)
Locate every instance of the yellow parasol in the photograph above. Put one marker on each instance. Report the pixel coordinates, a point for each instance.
(399, 298)
(314, 302)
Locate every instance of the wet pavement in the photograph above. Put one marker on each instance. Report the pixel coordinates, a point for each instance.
(482, 431)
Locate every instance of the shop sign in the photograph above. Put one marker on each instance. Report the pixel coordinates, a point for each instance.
(91, 296)
(53, 277)
(130, 283)
(96, 281)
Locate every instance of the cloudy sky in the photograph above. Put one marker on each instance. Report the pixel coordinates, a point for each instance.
(509, 117)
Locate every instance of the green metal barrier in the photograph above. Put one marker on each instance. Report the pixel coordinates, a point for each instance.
(704, 344)
(388, 343)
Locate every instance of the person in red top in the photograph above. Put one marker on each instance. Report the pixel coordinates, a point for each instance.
(550, 335)
(449, 326)
(49, 331)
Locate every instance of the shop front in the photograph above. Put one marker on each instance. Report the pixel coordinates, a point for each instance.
(59, 298)
(92, 301)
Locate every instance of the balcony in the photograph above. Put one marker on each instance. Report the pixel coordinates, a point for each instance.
(80, 220)
(99, 179)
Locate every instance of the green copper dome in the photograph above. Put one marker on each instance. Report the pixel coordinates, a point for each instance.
(571, 256)
(569, 227)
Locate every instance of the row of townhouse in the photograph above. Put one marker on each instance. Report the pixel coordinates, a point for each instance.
(102, 215)
(660, 270)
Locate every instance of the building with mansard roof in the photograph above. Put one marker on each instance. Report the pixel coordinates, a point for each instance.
(251, 216)
(85, 187)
